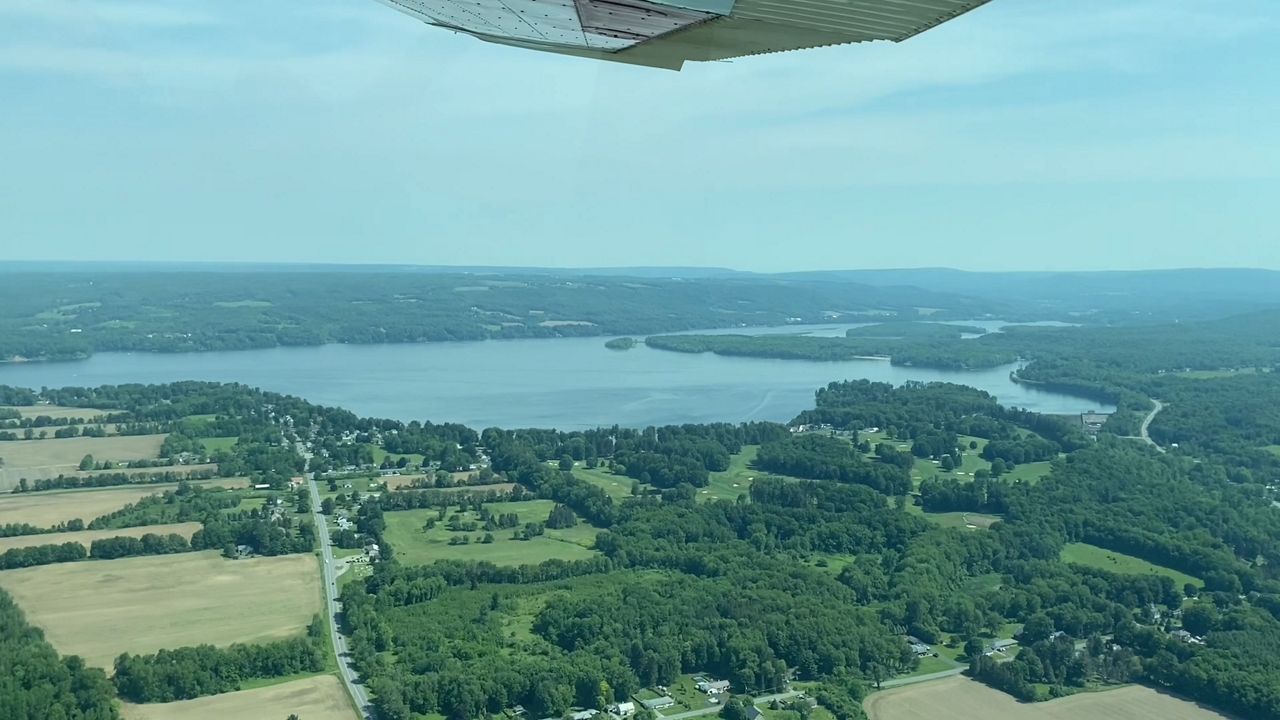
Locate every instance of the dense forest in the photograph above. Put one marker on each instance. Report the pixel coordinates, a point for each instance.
(37, 684)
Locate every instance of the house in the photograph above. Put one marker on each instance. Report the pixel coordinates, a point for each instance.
(1187, 637)
(659, 703)
(1000, 646)
(753, 713)
(623, 709)
(584, 715)
(920, 649)
(262, 486)
(713, 686)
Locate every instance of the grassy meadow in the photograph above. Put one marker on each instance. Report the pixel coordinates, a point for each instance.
(1094, 556)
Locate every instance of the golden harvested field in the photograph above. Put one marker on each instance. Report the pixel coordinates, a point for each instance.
(960, 698)
(85, 537)
(141, 604)
(46, 509)
(317, 698)
(34, 459)
(56, 411)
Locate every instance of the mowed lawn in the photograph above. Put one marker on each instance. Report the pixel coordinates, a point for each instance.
(46, 509)
(34, 459)
(415, 546)
(960, 698)
(971, 462)
(735, 481)
(86, 537)
(1094, 556)
(214, 444)
(618, 486)
(316, 698)
(141, 604)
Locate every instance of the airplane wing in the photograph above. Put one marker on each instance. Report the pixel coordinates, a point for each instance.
(668, 33)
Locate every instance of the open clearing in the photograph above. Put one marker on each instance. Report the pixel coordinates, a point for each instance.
(141, 604)
(617, 486)
(85, 537)
(56, 411)
(1094, 556)
(35, 459)
(415, 546)
(316, 698)
(960, 698)
(46, 509)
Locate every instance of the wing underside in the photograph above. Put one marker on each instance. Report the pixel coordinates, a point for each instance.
(667, 33)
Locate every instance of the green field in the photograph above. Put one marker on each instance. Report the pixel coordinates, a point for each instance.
(735, 481)
(725, 485)
(1273, 449)
(618, 486)
(379, 455)
(971, 461)
(1094, 556)
(970, 520)
(212, 445)
(415, 546)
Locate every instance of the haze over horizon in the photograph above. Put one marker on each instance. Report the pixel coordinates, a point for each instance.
(1079, 136)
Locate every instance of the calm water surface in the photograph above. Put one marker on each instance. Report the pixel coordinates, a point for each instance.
(566, 383)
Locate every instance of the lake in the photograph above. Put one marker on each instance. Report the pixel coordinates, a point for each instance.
(564, 383)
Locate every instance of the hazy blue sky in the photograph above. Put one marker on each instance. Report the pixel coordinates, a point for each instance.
(1028, 134)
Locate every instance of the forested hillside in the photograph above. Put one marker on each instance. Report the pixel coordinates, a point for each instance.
(73, 314)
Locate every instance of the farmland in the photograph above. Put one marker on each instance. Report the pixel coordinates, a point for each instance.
(47, 458)
(86, 537)
(316, 698)
(964, 699)
(55, 411)
(142, 604)
(1094, 556)
(414, 545)
(46, 509)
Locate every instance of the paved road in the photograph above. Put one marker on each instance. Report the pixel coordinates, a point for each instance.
(1146, 423)
(333, 607)
(713, 709)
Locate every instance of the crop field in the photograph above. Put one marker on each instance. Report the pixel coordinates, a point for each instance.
(56, 411)
(34, 459)
(141, 604)
(85, 537)
(1094, 556)
(315, 698)
(45, 509)
(415, 546)
(964, 699)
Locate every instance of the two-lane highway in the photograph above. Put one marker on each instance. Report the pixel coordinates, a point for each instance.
(333, 607)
